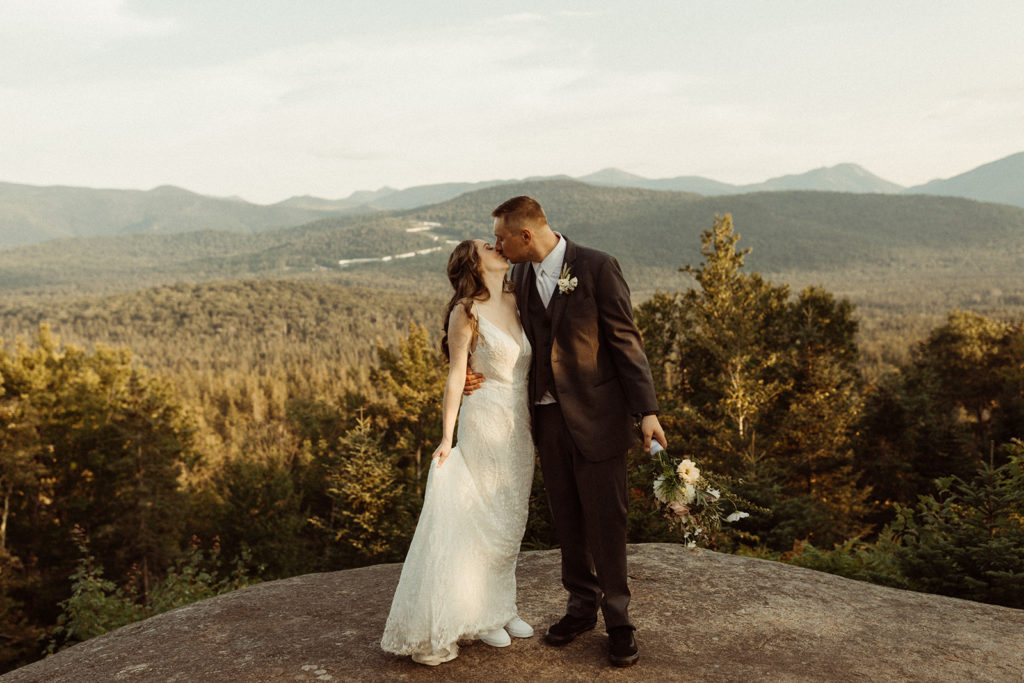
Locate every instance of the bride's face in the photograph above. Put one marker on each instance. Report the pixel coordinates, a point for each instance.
(489, 258)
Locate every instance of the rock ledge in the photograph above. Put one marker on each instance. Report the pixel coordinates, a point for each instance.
(701, 616)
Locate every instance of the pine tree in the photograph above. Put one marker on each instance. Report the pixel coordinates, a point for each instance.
(368, 521)
(762, 387)
(968, 540)
(412, 380)
(939, 415)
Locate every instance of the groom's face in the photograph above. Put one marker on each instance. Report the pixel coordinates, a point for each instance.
(512, 244)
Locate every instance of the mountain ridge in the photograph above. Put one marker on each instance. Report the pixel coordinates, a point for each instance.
(999, 181)
(652, 233)
(31, 214)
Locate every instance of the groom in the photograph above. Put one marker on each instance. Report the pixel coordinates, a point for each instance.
(589, 384)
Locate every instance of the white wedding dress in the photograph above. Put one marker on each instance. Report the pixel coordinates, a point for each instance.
(458, 579)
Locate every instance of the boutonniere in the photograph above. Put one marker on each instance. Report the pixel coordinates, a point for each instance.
(566, 281)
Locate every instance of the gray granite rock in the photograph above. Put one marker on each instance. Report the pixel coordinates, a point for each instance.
(701, 616)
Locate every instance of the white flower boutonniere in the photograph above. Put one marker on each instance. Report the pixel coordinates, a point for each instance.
(566, 281)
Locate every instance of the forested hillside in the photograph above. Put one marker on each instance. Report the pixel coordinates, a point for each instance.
(899, 251)
(317, 338)
(30, 214)
(103, 264)
(788, 231)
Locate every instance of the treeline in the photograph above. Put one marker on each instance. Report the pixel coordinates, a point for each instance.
(914, 479)
(238, 352)
(266, 429)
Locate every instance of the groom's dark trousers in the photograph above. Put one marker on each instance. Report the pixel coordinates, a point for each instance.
(588, 503)
(588, 356)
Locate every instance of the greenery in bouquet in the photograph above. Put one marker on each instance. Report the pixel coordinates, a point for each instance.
(696, 503)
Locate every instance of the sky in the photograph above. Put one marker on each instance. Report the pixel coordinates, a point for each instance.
(268, 99)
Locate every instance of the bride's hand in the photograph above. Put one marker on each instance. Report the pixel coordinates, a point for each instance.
(442, 452)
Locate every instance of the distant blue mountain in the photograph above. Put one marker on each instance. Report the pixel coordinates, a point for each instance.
(841, 178)
(1000, 181)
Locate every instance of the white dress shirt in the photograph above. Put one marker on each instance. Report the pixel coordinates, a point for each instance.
(548, 270)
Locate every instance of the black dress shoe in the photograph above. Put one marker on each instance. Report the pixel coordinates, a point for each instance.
(568, 628)
(622, 648)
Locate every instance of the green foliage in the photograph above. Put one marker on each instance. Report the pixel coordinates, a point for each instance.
(20, 629)
(368, 522)
(939, 414)
(98, 605)
(968, 539)
(260, 507)
(88, 440)
(875, 562)
(764, 388)
(412, 379)
(965, 541)
(95, 442)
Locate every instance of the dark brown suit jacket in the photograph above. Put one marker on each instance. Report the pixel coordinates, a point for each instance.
(600, 371)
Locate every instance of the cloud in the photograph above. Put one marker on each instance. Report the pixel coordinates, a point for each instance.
(316, 97)
(46, 42)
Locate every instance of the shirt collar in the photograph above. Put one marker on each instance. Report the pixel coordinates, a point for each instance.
(552, 263)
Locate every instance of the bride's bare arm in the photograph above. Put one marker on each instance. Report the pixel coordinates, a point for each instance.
(460, 335)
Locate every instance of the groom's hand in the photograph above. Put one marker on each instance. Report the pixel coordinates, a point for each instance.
(473, 381)
(650, 427)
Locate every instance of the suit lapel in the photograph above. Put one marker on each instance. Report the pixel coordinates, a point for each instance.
(559, 301)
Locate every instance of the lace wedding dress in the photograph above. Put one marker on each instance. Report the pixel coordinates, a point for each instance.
(459, 575)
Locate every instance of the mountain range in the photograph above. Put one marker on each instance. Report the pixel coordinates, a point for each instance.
(886, 242)
(1000, 181)
(31, 214)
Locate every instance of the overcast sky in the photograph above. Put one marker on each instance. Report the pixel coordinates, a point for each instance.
(267, 99)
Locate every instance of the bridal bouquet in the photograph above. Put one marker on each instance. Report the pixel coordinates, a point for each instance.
(695, 502)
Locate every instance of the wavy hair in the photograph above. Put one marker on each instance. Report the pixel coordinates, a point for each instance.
(464, 274)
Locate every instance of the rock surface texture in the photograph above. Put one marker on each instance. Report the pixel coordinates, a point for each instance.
(700, 616)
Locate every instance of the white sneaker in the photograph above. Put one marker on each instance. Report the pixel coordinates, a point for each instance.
(496, 638)
(435, 659)
(519, 628)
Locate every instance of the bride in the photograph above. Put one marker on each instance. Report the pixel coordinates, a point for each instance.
(459, 580)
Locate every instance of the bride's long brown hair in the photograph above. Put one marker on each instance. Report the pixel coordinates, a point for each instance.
(464, 274)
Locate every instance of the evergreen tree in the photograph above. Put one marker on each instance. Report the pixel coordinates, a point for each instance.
(940, 414)
(968, 539)
(259, 507)
(412, 380)
(763, 388)
(368, 521)
(87, 440)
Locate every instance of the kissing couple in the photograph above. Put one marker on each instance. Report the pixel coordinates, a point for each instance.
(550, 362)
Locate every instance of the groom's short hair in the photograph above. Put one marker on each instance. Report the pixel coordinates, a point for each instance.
(521, 212)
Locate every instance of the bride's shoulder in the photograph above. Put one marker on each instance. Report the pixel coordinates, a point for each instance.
(463, 312)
